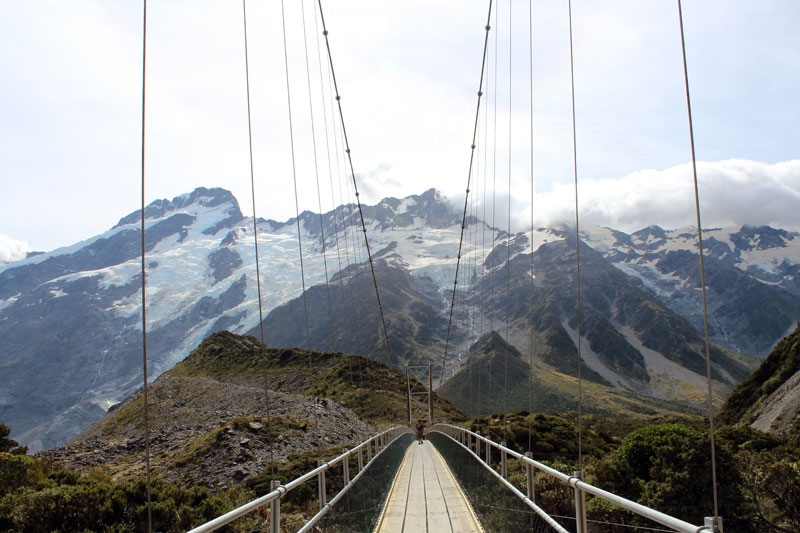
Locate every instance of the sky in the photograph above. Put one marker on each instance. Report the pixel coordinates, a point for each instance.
(408, 75)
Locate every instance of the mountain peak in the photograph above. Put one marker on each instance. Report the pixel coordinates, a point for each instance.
(492, 343)
(432, 194)
(759, 238)
(201, 197)
(221, 353)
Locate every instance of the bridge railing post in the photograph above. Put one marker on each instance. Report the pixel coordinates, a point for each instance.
(580, 505)
(346, 469)
(323, 492)
(531, 493)
(503, 461)
(275, 510)
(360, 458)
(369, 451)
(488, 453)
(713, 522)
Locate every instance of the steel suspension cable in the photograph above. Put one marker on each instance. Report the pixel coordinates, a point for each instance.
(255, 232)
(508, 236)
(473, 282)
(702, 275)
(316, 174)
(494, 177)
(296, 201)
(342, 215)
(330, 176)
(144, 290)
(488, 27)
(358, 244)
(494, 196)
(577, 245)
(355, 184)
(351, 268)
(294, 173)
(530, 345)
(357, 247)
(483, 218)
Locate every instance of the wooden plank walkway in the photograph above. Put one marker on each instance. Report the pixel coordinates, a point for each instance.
(425, 497)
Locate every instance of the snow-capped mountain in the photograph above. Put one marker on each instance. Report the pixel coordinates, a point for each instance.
(751, 276)
(70, 319)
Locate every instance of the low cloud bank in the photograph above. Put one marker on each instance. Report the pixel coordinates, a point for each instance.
(735, 192)
(12, 250)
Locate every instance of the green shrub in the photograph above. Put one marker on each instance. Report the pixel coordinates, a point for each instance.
(18, 471)
(10, 445)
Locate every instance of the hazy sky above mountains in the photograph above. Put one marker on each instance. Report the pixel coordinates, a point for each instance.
(70, 102)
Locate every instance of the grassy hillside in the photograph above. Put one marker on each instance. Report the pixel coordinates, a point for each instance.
(748, 397)
(371, 389)
(484, 385)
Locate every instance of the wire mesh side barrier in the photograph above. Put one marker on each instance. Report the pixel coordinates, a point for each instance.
(359, 509)
(458, 445)
(369, 453)
(498, 509)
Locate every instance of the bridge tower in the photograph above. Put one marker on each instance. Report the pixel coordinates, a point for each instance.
(420, 399)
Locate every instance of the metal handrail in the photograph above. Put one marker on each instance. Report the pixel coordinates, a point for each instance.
(573, 481)
(530, 503)
(383, 440)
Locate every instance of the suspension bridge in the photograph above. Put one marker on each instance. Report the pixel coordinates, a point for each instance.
(455, 479)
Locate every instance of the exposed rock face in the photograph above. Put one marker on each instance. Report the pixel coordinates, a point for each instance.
(70, 319)
(211, 432)
(769, 400)
(778, 412)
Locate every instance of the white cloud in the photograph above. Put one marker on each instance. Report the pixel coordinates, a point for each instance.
(12, 250)
(408, 87)
(732, 193)
(378, 183)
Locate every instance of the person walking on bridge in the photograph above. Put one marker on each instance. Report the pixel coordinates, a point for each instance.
(420, 427)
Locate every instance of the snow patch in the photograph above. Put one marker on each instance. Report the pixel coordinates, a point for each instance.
(406, 204)
(9, 301)
(600, 238)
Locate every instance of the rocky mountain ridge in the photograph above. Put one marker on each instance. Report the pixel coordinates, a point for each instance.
(70, 323)
(235, 406)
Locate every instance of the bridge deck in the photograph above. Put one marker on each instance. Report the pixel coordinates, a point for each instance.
(425, 497)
